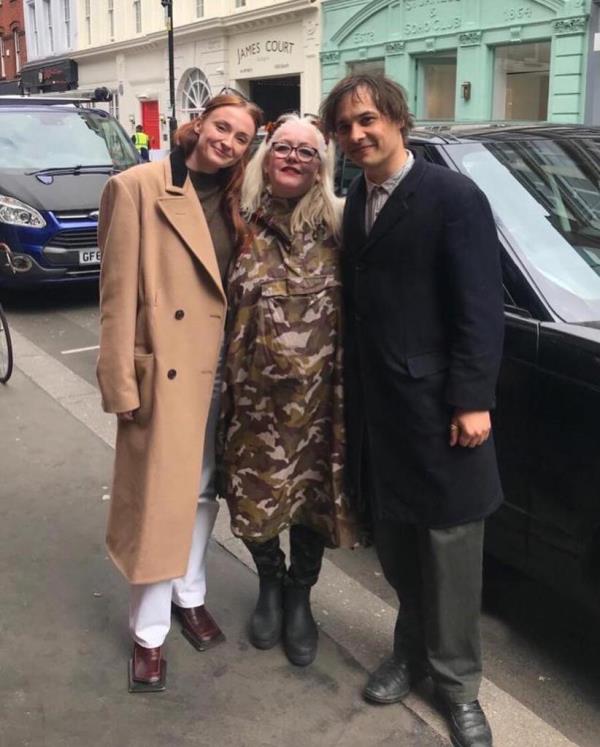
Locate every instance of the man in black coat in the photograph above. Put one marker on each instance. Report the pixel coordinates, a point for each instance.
(423, 335)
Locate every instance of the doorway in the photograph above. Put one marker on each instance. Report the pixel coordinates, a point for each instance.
(150, 122)
(276, 95)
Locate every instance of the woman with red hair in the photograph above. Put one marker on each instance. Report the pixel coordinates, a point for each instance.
(167, 232)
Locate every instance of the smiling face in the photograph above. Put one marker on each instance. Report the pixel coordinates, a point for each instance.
(369, 138)
(223, 137)
(288, 175)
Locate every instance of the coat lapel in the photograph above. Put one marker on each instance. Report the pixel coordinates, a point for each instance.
(397, 205)
(183, 211)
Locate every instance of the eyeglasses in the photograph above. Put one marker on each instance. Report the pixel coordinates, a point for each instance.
(304, 153)
(228, 91)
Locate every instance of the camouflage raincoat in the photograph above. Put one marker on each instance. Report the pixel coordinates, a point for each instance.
(282, 429)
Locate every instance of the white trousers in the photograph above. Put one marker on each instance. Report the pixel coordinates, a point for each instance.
(150, 604)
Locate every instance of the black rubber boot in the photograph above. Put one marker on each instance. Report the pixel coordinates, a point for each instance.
(266, 622)
(300, 636)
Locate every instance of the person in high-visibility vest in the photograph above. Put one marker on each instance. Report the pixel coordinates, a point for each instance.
(142, 142)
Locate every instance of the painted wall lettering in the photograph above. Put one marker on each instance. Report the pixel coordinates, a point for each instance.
(432, 25)
(517, 13)
(363, 37)
(412, 4)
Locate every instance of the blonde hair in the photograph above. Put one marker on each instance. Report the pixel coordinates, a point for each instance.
(319, 206)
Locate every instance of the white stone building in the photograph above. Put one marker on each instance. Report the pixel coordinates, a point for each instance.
(266, 49)
(52, 35)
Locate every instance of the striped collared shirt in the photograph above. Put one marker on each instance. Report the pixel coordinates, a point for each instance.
(378, 194)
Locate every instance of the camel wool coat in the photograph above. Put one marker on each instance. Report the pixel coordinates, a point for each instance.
(162, 316)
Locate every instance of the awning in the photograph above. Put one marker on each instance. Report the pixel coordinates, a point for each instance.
(49, 75)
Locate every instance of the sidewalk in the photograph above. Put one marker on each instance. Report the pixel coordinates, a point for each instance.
(64, 642)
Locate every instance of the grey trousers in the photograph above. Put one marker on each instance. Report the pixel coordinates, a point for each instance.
(437, 576)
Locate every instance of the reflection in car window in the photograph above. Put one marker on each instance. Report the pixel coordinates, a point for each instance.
(48, 139)
(545, 195)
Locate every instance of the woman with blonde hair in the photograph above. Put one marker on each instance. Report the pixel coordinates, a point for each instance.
(167, 233)
(283, 431)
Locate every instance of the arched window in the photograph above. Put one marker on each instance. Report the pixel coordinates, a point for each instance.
(195, 92)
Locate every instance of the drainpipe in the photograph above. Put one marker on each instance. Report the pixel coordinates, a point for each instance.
(592, 96)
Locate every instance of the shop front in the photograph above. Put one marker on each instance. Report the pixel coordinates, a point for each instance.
(466, 60)
(54, 76)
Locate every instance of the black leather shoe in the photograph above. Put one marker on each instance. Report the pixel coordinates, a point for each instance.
(389, 683)
(264, 630)
(468, 725)
(300, 635)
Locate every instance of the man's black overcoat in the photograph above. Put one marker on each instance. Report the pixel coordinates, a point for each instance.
(423, 336)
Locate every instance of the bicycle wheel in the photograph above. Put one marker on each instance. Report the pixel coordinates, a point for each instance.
(6, 351)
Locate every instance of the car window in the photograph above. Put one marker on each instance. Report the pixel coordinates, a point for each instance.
(48, 139)
(545, 195)
(346, 171)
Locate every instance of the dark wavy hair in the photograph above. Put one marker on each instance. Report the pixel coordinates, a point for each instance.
(186, 138)
(387, 95)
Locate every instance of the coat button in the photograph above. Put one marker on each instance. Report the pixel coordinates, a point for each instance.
(171, 373)
(179, 314)
(361, 267)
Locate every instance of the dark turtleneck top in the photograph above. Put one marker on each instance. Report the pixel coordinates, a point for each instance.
(210, 193)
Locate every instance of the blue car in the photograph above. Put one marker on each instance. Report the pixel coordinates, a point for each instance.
(54, 161)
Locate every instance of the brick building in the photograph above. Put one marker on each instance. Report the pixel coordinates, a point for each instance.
(13, 53)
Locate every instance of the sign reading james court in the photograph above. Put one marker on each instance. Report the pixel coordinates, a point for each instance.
(274, 52)
(280, 46)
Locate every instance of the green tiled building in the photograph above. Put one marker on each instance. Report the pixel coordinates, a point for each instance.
(466, 59)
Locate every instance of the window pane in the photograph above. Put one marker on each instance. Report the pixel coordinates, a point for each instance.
(439, 89)
(521, 80)
(38, 140)
(372, 67)
(545, 195)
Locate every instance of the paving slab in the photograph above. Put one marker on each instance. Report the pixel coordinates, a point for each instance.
(63, 625)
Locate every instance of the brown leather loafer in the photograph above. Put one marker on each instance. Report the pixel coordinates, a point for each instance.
(198, 627)
(147, 670)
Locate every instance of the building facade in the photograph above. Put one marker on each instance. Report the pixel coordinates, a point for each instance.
(592, 107)
(266, 49)
(13, 51)
(467, 60)
(51, 30)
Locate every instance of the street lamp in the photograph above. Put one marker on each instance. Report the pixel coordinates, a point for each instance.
(168, 5)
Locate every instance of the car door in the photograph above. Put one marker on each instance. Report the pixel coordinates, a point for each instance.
(507, 531)
(565, 511)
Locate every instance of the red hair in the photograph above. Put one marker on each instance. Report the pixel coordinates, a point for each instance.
(186, 138)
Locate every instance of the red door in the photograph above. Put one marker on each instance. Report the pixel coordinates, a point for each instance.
(150, 122)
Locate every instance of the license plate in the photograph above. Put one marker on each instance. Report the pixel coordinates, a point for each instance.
(89, 256)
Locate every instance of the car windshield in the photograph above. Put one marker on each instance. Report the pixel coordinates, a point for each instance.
(33, 140)
(545, 195)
